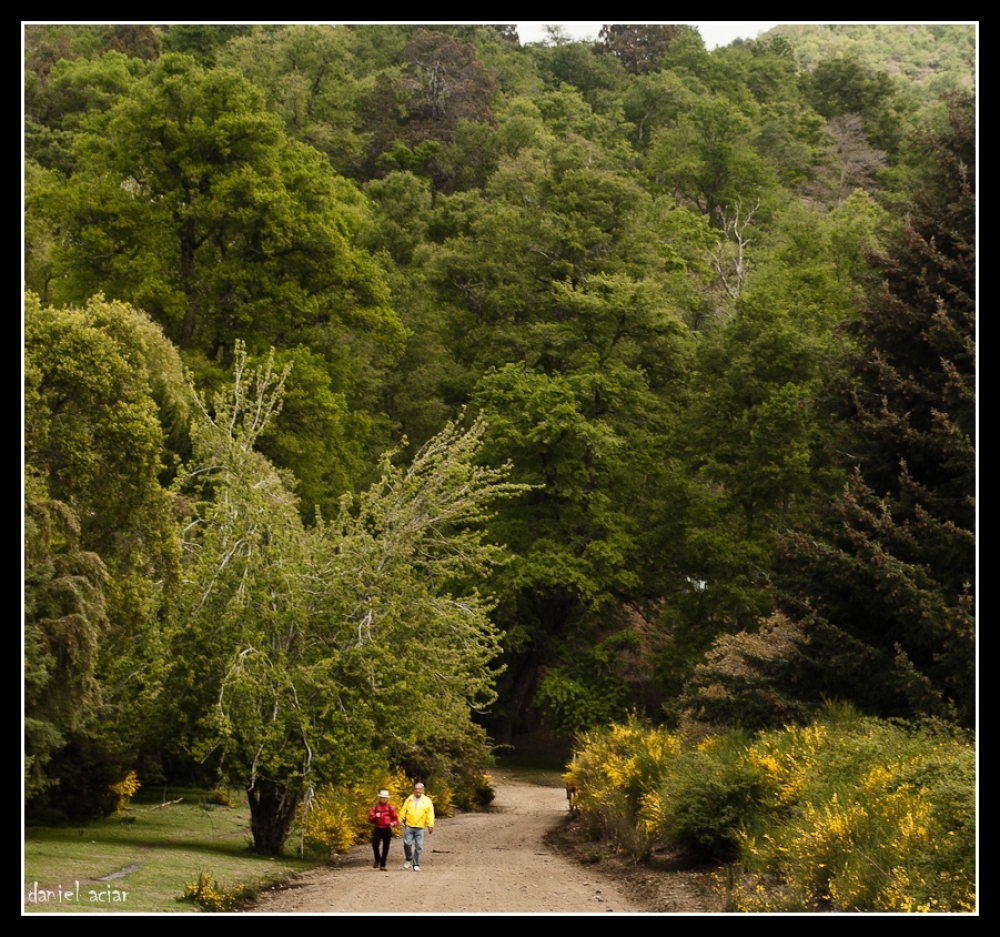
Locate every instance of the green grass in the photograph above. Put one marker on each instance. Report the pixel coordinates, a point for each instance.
(535, 767)
(164, 847)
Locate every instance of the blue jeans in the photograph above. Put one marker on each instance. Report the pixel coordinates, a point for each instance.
(413, 843)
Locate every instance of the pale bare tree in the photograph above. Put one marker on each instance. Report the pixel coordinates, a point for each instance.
(849, 162)
(854, 161)
(729, 260)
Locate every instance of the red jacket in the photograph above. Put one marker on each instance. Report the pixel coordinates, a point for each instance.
(383, 816)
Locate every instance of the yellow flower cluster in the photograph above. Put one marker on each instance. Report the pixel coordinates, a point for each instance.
(652, 814)
(860, 835)
(213, 896)
(442, 796)
(786, 761)
(618, 772)
(125, 790)
(337, 816)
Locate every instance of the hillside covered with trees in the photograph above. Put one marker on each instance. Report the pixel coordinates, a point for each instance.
(389, 390)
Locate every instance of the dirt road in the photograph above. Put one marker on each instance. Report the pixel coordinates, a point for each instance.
(494, 862)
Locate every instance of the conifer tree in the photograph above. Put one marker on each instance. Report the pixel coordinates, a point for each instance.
(886, 587)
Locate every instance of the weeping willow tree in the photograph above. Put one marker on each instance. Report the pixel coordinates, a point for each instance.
(104, 393)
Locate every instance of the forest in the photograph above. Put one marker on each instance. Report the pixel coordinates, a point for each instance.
(392, 391)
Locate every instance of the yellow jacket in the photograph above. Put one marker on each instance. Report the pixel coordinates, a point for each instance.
(417, 814)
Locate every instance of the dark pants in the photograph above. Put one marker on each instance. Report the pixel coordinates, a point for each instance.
(383, 837)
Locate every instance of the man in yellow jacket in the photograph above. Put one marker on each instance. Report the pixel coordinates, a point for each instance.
(416, 815)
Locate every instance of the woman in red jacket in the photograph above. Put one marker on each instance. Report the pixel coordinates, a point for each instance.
(384, 816)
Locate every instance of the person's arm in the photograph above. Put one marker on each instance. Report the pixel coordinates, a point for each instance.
(430, 818)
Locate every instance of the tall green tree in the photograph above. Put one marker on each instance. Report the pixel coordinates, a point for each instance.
(886, 588)
(193, 203)
(104, 391)
(64, 621)
(302, 654)
(708, 157)
(845, 85)
(75, 95)
(307, 74)
(102, 387)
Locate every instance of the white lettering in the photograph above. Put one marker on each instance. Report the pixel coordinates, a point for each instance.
(38, 895)
(111, 896)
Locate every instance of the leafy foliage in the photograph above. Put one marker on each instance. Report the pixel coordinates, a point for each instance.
(929, 59)
(205, 214)
(735, 684)
(307, 74)
(65, 619)
(631, 256)
(365, 636)
(101, 384)
(586, 692)
(639, 47)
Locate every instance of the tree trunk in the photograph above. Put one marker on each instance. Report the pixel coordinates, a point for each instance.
(272, 810)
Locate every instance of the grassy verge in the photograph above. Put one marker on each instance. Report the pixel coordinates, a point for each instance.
(143, 861)
(537, 763)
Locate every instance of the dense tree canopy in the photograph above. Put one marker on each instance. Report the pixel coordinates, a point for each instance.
(716, 309)
(640, 48)
(193, 204)
(103, 388)
(879, 596)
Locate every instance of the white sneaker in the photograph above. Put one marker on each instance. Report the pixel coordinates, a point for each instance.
(416, 868)
(406, 865)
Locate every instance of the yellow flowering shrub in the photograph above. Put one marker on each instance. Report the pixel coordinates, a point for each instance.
(847, 813)
(442, 796)
(213, 896)
(221, 798)
(336, 817)
(125, 790)
(870, 816)
(617, 772)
